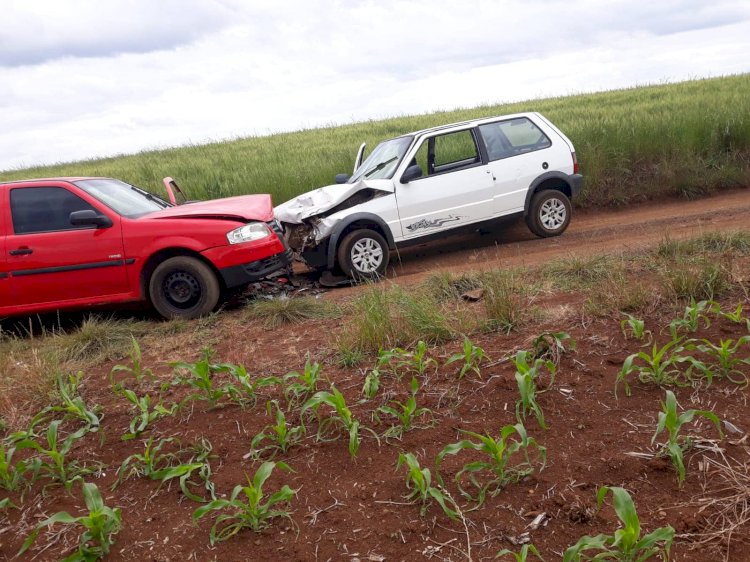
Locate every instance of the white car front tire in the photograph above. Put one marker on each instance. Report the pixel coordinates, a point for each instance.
(363, 254)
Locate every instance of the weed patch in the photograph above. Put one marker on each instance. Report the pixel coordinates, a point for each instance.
(284, 310)
(389, 317)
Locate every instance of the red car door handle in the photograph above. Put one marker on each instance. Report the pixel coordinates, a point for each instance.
(21, 252)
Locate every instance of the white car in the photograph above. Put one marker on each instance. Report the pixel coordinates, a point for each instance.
(432, 182)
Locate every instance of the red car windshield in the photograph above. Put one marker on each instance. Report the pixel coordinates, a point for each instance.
(125, 199)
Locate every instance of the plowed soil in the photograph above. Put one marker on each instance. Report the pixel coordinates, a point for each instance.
(353, 508)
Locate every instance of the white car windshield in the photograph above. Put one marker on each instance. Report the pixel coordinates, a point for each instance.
(125, 199)
(383, 161)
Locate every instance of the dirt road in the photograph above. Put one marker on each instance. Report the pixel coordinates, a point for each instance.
(590, 232)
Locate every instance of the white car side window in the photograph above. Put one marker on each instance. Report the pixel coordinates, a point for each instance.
(512, 137)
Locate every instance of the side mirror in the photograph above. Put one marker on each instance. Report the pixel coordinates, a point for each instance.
(89, 218)
(342, 178)
(412, 172)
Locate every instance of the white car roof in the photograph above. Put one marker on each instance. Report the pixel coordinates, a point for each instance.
(467, 124)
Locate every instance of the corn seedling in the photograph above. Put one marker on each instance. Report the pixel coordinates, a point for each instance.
(254, 511)
(552, 345)
(406, 413)
(677, 444)
(164, 467)
(403, 360)
(58, 468)
(147, 463)
(523, 554)
(501, 462)
(528, 371)
(198, 464)
(391, 359)
(472, 357)
(341, 420)
(634, 327)
(136, 360)
(100, 525)
(735, 316)
(418, 361)
(419, 484)
(246, 393)
(659, 367)
(626, 544)
(199, 375)
(72, 405)
(692, 318)
(144, 414)
(12, 475)
(371, 385)
(5, 503)
(300, 385)
(726, 359)
(281, 436)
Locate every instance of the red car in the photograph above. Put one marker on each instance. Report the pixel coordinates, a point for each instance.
(75, 242)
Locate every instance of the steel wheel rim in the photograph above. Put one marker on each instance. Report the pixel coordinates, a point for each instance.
(553, 214)
(182, 290)
(366, 255)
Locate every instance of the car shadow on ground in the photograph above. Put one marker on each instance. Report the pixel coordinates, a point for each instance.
(37, 325)
(453, 250)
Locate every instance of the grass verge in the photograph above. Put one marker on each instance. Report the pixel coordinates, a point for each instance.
(284, 310)
(687, 140)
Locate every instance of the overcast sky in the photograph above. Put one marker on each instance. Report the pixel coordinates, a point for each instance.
(87, 78)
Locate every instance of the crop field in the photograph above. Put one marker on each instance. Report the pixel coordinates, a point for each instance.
(586, 406)
(687, 139)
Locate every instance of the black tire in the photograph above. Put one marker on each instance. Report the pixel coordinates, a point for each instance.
(183, 287)
(363, 254)
(549, 213)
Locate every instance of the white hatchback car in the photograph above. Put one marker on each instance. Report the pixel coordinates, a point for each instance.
(431, 182)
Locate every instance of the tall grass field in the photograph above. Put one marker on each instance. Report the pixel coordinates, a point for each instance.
(687, 139)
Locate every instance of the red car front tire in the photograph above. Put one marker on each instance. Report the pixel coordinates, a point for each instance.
(183, 287)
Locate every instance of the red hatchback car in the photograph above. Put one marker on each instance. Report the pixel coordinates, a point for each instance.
(75, 242)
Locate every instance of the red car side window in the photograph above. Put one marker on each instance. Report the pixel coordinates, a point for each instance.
(44, 209)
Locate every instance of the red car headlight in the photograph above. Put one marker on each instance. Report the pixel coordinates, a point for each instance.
(249, 232)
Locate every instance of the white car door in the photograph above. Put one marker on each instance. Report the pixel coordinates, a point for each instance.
(456, 187)
(517, 150)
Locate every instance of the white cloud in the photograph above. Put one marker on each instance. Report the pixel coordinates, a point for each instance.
(229, 68)
(35, 32)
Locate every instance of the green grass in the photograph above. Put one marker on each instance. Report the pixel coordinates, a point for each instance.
(98, 339)
(504, 299)
(581, 272)
(711, 242)
(32, 362)
(444, 285)
(686, 139)
(386, 317)
(700, 268)
(284, 310)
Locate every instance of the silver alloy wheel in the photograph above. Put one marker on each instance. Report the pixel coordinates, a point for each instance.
(366, 255)
(552, 214)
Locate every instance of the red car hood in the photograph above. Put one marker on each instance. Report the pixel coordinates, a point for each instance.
(243, 208)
